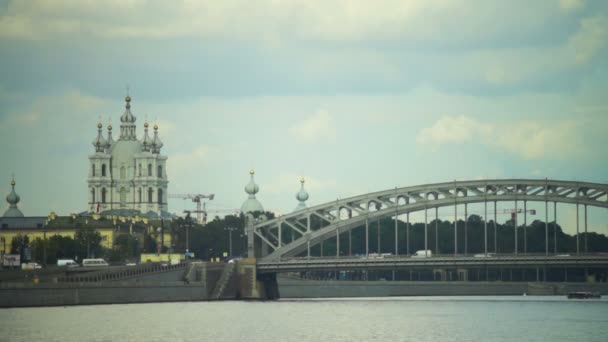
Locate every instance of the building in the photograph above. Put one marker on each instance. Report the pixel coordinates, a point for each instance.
(128, 176)
(251, 204)
(301, 196)
(14, 224)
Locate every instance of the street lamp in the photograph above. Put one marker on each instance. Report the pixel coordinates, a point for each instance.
(188, 225)
(230, 230)
(44, 244)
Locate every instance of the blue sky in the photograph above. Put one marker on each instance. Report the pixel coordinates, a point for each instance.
(356, 96)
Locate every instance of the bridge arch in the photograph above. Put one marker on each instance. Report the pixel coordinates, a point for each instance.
(322, 222)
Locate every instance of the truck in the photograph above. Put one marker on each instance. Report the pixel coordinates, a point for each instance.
(423, 254)
(11, 260)
(67, 262)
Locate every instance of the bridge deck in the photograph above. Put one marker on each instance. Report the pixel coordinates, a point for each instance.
(398, 262)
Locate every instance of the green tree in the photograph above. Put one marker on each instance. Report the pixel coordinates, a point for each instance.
(88, 242)
(126, 246)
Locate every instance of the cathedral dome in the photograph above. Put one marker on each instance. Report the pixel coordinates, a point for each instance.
(251, 204)
(12, 200)
(301, 196)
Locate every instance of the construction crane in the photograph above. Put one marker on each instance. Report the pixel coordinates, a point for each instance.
(201, 213)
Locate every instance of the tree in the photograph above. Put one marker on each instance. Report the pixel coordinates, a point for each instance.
(88, 242)
(126, 246)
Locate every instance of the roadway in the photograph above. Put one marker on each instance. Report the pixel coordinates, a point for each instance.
(435, 262)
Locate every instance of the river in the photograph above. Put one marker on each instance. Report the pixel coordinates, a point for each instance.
(361, 319)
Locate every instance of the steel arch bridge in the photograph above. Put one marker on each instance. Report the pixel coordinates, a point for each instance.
(267, 240)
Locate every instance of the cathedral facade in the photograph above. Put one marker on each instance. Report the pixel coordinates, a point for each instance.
(127, 174)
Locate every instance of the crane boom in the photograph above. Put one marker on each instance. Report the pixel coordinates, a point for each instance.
(199, 200)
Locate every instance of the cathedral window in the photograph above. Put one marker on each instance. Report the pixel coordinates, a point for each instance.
(103, 195)
(93, 170)
(149, 195)
(123, 172)
(93, 195)
(103, 170)
(139, 194)
(140, 171)
(160, 196)
(159, 172)
(149, 170)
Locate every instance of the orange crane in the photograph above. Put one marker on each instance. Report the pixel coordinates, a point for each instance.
(201, 213)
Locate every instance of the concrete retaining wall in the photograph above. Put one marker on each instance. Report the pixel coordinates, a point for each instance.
(298, 288)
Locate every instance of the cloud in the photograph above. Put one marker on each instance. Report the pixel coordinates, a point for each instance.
(315, 128)
(571, 5)
(590, 39)
(530, 140)
(290, 182)
(448, 129)
(271, 20)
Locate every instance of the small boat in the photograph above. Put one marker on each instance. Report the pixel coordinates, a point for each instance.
(583, 295)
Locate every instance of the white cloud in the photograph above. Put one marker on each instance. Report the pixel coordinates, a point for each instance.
(526, 139)
(269, 20)
(287, 182)
(571, 5)
(315, 128)
(446, 130)
(590, 39)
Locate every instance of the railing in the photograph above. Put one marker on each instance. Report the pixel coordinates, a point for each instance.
(121, 273)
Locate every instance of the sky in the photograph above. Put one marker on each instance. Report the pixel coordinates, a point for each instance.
(355, 96)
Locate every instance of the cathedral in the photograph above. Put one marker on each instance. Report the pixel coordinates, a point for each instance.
(127, 175)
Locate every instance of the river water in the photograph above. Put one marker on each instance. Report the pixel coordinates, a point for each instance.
(361, 319)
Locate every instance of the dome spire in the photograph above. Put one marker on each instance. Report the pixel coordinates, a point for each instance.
(99, 143)
(146, 141)
(110, 140)
(127, 122)
(12, 200)
(301, 196)
(251, 204)
(156, 143)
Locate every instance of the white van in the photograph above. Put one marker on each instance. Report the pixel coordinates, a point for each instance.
(94, 263)
(423, 254)
(67, 262)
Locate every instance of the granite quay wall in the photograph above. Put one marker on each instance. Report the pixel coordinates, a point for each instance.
(299, 288)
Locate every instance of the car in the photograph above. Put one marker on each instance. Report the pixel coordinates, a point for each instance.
(131, 264)
(483, 255)
(30, 266)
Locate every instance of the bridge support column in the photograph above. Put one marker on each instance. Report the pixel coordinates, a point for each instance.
(378, 233)
(426, 247)
(250, 236)
(436, 230)
(554, 227)
(455, 224)
(515, 226)
(407, 235)
(525, 227)
(396, 237)
(466, 229)
(366, 237)
(495, 232)
(485, 227)
(585, 228)
(337, 242)
(577, 231)
(308, 249)
(546, 228)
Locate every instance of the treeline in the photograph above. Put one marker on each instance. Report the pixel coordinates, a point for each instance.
(212, 240)
(533, 240)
